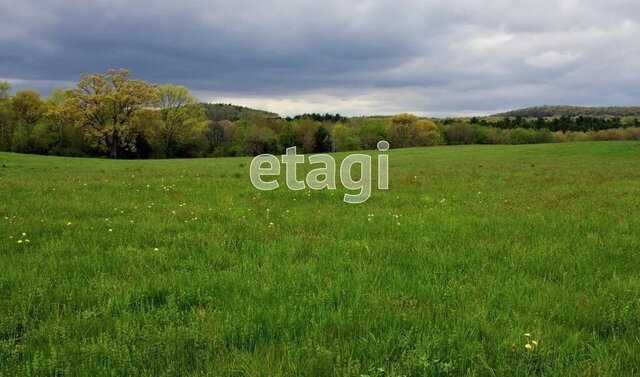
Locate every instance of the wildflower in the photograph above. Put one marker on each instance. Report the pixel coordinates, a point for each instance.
(110, 230)
(69, 223)
(527, 346)
(534, 342)
(156, 249)
(19, 241)
(24, 234)
(27, 241)
(527, 335)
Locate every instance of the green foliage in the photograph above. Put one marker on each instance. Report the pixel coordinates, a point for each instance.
(459, 133)
(571, 111)
(344, 139)
(219, 111)
(369, 130)
(27, 109)
(180, 130)
(115, 115)
(407, 130)
(304, 133)
(107, 104)
(253, 140)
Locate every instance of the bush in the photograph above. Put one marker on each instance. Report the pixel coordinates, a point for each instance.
(559, 137)
(610, 134)
(633, 133)
(459, 133)
(522, 136)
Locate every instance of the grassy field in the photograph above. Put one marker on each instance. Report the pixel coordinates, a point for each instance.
(182, 267)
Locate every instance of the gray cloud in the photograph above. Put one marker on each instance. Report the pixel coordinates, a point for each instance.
(357, 57)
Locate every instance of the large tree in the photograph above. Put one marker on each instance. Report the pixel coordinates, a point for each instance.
(28, 109)
(407, 130)
(5, 116)
(182, 118)
(107, 104)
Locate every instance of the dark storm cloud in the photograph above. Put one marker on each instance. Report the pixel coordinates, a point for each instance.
(430, 57)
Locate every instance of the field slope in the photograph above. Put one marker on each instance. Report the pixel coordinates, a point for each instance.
(182, 267)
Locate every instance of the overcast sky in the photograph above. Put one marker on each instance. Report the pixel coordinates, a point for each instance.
(428, 57)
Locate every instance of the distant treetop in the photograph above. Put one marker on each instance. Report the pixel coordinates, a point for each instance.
(222, 111)
(571, 111)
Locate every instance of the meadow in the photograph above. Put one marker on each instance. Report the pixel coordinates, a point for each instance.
(499, 260)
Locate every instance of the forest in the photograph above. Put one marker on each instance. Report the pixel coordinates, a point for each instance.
(117, 116)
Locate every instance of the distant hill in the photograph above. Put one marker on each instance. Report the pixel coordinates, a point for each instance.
(572, 111)
(221, 111)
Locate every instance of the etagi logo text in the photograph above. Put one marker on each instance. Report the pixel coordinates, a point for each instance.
(324, 176)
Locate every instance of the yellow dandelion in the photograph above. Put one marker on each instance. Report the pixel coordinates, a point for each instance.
(27, 241)
(527, 334)
(19, 241)
(69, 223)
(156, 249)
(527, 346)
(534, 342)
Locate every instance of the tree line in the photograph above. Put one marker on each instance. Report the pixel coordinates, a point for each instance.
(115, 115)
(572, 111)
(562, 123)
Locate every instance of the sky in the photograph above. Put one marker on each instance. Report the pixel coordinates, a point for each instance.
(429, 57)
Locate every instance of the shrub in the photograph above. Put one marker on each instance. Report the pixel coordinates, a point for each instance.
(459, 133)
(610, 134)
(559, 137)
(521, 136)
(633, 133)
(496, 136)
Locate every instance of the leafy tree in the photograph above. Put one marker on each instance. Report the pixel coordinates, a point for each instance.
(28, 109)
(304, 131)
(107, 103)
(407, 130)
(323, 140)
(59, 127)
(427, 133)
(182, 119)
(6, 121)
(371, 132)
(286, 137)
(260, 140)
(344, 139)
(459, 133)
(401, 130)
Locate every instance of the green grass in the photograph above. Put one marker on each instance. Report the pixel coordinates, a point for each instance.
(443, 274)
